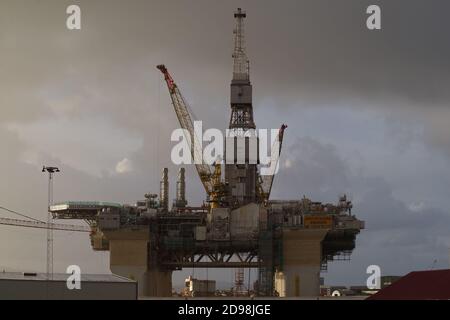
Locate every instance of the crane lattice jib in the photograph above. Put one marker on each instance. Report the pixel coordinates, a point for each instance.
(266, 181)
(43, 225)
(181, 110)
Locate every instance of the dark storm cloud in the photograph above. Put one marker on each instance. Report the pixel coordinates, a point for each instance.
(302, 53)
(294, 46)
(394, 230)
(315, 169)
(311, 168)
(324, 47)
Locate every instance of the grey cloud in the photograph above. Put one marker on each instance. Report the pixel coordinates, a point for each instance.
(392, 231)
(314, 170)
(303, 54)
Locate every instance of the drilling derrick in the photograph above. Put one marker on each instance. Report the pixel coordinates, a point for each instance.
(241, 171)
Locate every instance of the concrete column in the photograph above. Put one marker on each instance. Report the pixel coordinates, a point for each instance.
(299, 275)
(129, 257)
(159, 283)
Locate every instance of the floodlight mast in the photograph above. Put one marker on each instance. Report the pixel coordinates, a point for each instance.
(51, 171)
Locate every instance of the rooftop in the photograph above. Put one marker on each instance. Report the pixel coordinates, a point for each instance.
(61, 277)
(418, 285)
(83, 204)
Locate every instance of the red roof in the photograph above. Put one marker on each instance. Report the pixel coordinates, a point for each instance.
(418, 285)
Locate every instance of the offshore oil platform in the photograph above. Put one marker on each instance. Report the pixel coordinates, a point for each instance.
(238, 226)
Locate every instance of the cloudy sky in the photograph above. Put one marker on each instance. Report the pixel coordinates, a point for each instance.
(368, 113)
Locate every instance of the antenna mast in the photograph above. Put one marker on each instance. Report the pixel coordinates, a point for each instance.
(241, 62)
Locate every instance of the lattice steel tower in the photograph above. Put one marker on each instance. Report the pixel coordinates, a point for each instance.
(241, 174)
(241, 89)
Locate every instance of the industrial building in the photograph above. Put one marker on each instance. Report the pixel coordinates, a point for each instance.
(238, 225)
(36, 286)
(199, 288)
(361, 291)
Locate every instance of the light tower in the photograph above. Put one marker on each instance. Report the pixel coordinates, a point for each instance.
(241, 175)
(50, 171)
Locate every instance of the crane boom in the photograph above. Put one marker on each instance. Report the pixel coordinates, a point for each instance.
(184, 117)
(43, 225)
(266, 181)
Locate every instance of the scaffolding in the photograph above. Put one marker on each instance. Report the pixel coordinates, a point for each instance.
(239, 287)
(344, 255)
(270, 256)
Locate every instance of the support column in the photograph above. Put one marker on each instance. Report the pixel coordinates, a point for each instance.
(129, 257)
(299, 275)
(159, 283)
